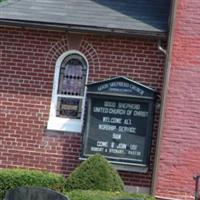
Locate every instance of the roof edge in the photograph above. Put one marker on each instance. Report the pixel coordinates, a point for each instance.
(81, 28)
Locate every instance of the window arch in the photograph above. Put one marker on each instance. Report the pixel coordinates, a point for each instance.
(68, 95)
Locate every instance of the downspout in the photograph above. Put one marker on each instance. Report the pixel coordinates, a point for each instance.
(164, 95)
(160, 48)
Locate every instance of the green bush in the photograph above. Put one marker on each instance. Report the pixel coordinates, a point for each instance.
(12, 178)
(102, 195)
(95, 174)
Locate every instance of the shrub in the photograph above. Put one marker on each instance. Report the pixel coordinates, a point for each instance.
(95, 174)
(102, 195)
(12, 178)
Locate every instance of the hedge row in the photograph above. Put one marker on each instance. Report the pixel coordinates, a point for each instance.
(12, 178)
(93, 174)
(103, 195)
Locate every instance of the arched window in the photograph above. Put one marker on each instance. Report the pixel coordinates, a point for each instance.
(68, 96)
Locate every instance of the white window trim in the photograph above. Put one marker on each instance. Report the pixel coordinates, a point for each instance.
(65, 124)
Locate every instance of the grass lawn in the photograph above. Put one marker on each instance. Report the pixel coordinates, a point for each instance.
(102, 195)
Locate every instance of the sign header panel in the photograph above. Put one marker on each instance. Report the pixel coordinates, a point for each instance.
(121, 86)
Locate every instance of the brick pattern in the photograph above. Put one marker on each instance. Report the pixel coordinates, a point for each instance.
(26, 76)
(180, 148)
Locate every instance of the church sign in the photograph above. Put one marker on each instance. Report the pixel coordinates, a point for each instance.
(119, 121)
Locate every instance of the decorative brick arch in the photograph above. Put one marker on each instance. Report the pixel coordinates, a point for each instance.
(90, 53)
(62, 46)
(56, 50)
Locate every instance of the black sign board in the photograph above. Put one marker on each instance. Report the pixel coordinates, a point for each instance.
(120, 117)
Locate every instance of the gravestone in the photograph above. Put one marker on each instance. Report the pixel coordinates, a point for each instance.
(33, 193)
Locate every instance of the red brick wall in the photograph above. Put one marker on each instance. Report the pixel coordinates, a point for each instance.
(27, 65)
(180, 147)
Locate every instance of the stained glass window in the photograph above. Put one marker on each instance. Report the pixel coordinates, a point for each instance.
(69, 92)
(71, 87)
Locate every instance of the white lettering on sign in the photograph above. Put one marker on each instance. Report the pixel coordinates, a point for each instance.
(117, 111)
(113, 120)
(121, 146)
(103, 87)
(121, 86)
(116, 136)
(133, 147)
(107, 127)
(109, 104)
(116, 151)
(102, 144)
(129, 112)
(138, 90)
(106, 119)
(112, 144)
(129, 106)
(109, 110)
(100, 109)
(126, 129)
(135, 153)
(140, 113)
(97, 149)
(127, 121)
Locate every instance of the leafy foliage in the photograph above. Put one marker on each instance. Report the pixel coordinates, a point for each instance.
(95, 174)
(102, 195)
(12, 178)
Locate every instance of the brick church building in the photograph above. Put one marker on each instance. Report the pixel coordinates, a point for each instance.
(52, 51)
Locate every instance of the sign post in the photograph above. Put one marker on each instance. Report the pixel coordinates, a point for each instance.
(119, 121)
